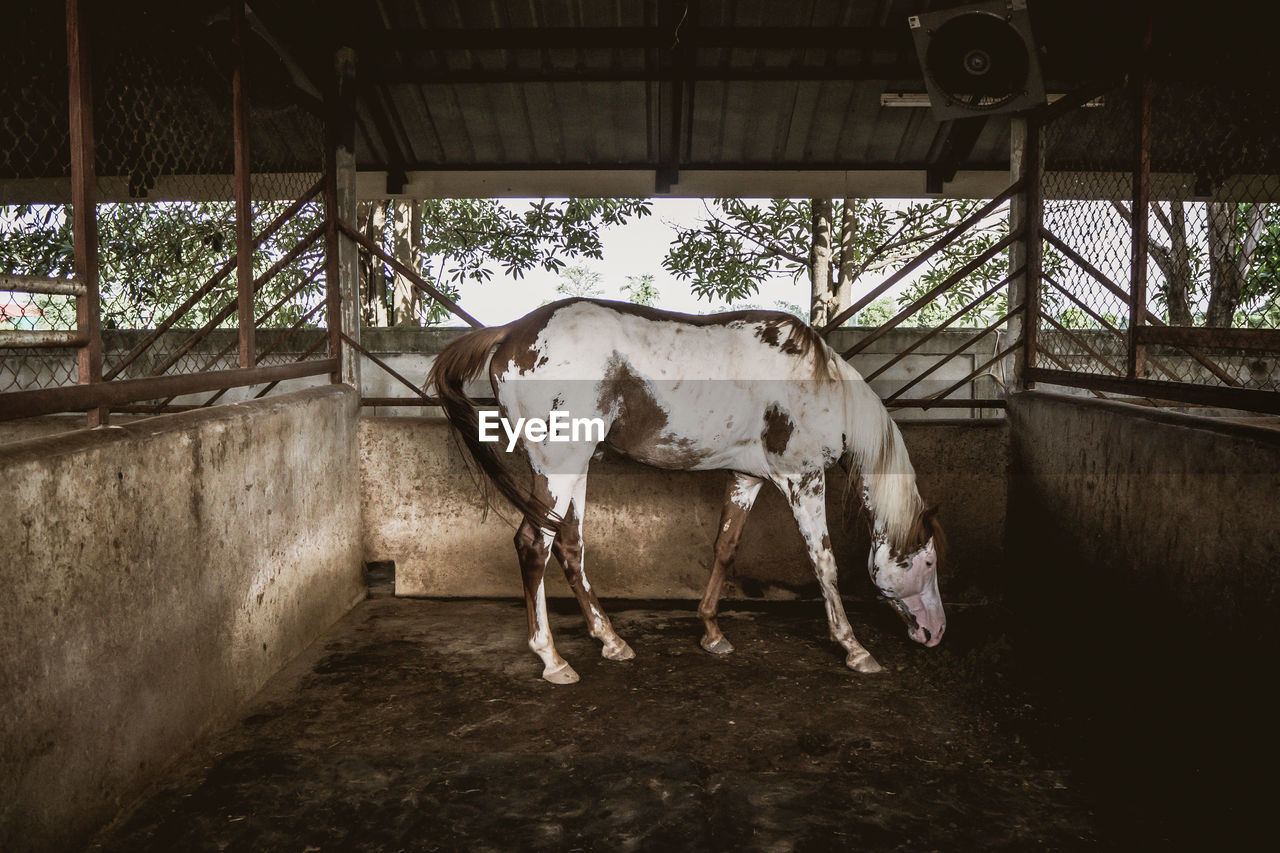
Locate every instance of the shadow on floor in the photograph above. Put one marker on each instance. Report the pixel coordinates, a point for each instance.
(423, 725)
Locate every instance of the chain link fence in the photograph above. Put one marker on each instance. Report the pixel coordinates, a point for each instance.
(1213, 247)
(35, 157)
(163, 122)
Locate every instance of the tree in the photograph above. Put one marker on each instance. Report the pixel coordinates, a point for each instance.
(154, 255)
(640, 289)
(468, 240)
(833, 243)
(578, 280)
(1222, 254)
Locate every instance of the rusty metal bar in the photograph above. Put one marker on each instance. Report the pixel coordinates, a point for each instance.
(1093, 271)
(419, 401)
(388, 368)
(892, 323)
(414, 277)
(955, 352)
(244, 203)
(937, 246)
(1082, 344)
(1032, 201)
(72, 398)
(263, 318)
(977, 371)
(42, 284)
(230, 308)
(1067, 368)
(971, 403)
(204, 289)
(1103, 322)
(1134, 367)
(84, 223)
(302, 359)
(257, 359)
(969, 306)
(1249, 340)
(1247, 399)
(22, 338)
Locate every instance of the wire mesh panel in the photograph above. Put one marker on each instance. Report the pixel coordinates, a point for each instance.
(289, 260)
(1211, 251)
(35, 239)
(169, 274)
(1087, 238)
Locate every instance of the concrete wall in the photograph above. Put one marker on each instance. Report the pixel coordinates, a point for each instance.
(1159, 521)
(649, 533)
(153, 577)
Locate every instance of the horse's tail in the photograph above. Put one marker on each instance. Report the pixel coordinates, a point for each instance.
(459, 363)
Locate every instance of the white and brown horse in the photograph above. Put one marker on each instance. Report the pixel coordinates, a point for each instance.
(756, 393)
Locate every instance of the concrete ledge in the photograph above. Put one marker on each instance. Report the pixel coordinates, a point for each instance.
(156, 574)
(649, 533)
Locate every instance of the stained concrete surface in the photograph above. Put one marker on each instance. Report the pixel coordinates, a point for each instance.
(423, 725)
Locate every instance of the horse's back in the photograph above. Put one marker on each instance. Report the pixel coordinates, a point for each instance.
(741, 390)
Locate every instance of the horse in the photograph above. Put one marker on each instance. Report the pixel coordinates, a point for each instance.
(755, 393)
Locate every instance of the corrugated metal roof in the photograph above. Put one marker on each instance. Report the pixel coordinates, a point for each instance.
(564, 84)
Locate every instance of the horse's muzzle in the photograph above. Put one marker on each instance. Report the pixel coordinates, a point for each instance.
(925, 618)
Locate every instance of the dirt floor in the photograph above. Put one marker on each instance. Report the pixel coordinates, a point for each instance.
(424, 725)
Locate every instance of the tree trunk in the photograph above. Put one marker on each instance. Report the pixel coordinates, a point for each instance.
(404, 245)
(848, 260)
(1231, 250)
(375, 289)
(820, 264)
(1178, 276)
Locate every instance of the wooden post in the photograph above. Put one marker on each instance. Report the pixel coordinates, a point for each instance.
(84, 223)
(342, 272)
(244, 203)
(1026, 163)
(1136, 366)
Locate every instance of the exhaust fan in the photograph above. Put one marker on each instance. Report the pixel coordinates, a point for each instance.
(978, 59)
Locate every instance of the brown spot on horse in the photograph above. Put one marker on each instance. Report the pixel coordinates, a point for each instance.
(778, 427)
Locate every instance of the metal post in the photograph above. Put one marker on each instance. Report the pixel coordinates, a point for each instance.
(84, 221)
(342, 273)
(244, 205)
(1136, 367)
(1026, 163)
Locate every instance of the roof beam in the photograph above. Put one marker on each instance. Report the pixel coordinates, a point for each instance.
(677, 58)
(955, 144)
(621, 38)
(895, 70)
(397, 165)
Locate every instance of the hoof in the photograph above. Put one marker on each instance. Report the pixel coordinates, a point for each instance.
(562, 674)
(618, 651)
(721, 646)
(863, 662)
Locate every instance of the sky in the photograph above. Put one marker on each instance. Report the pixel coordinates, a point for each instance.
(632, 249)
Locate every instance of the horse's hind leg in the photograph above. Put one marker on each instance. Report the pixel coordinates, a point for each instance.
(569, 551)
(738, 499)
(534, 547)
(806, 495)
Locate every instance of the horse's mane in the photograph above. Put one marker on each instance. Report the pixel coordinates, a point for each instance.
(884, 468)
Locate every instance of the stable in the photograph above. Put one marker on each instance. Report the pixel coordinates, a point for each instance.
(253, 599)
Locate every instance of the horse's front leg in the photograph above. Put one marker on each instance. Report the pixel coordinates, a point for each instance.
(806, 494)
(739, 497)
(569, 551)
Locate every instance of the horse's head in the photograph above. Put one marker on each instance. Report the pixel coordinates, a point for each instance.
(908, 577)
